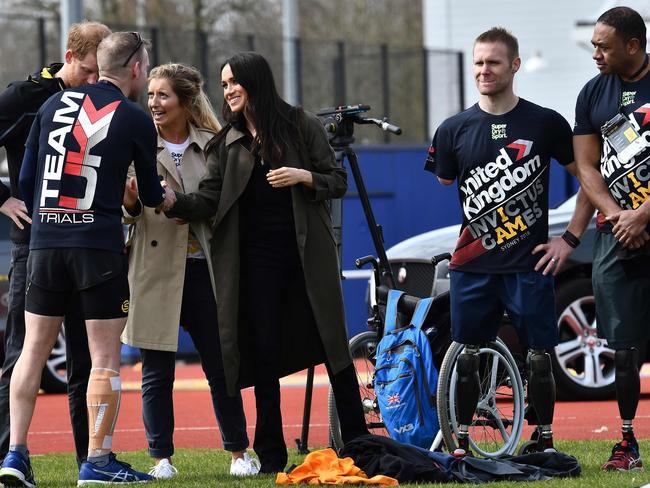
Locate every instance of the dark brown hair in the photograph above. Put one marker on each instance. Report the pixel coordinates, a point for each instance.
(274, 119)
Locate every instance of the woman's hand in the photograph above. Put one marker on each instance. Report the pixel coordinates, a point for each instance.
(287, 176)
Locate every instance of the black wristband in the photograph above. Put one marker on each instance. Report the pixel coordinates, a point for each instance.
(137, 209)
(571, 239)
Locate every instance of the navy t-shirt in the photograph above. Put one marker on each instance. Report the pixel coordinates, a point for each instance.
(502, 166)
(598, 102)
(78, 153)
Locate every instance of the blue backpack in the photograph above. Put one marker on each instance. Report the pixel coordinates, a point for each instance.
(406, 377)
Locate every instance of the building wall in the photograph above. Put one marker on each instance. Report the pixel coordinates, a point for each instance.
(546, 27)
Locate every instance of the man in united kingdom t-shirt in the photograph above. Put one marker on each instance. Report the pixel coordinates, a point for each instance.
(499, 151)
(611, 139)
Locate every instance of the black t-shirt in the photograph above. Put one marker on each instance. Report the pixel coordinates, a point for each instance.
(502, 166)
(267, 212)
(78, 153)
(18, 106)
(598, 102)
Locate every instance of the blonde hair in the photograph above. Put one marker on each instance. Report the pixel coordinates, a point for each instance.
(84, 37)
(187, 83)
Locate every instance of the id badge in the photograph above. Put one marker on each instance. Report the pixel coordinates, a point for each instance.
(622, 137)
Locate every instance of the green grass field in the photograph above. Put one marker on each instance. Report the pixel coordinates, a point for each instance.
(205, 468)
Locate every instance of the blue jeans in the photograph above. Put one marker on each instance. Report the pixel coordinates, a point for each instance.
(199, 318)
(77, 359)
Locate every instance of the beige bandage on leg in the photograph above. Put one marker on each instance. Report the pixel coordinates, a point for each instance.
(103, 398)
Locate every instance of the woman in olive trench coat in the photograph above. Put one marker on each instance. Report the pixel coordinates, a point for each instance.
(310, 325)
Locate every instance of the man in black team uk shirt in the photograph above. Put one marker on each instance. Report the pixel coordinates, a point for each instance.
(614, 171)
(18, 106)
(72, 181)
(500, 151)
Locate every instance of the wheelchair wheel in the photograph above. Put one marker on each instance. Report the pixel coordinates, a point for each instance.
(362, 349)
(498, 420)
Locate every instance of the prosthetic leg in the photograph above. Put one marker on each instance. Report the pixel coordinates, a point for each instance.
(625, 454)
(628, 384)
(541, 395)
(468, 390)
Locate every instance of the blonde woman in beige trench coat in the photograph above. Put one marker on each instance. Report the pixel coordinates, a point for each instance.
(171, 277)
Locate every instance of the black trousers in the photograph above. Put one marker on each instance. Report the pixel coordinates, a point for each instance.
(77, 359)
(266, 279)
(199, 318)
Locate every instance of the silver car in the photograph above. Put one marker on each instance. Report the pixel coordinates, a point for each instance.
(54, 374)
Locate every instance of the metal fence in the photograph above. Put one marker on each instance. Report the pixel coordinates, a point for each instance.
(416, 88)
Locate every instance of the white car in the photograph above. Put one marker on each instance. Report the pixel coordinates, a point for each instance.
(583, 364)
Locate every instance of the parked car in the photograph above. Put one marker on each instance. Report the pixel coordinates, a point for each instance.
(583, 364)
(54, 375)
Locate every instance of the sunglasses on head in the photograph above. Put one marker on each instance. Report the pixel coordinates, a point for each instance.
(138, 45)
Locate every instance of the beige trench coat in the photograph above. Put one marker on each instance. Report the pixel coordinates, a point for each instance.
(313, 323)
(158, 250)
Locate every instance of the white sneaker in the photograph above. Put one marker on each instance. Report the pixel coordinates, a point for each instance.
(246, 466)
(163, 470)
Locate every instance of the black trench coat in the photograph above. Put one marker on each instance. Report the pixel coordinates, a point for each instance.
(314, 313)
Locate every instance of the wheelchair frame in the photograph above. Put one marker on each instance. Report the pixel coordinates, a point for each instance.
(499, 371)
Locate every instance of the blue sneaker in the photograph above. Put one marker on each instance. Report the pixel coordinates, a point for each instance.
(17, 471)
(114, 472)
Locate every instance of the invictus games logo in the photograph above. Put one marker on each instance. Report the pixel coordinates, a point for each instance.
(501, 199)
(125, 306)
(491, 183)
(499, 131)
(627, 98)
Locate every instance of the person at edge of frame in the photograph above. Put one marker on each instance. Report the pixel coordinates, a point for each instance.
(91, 134)
(611, 149)
(18, 106)
(279, 299)
(500, 150)
(171, 259)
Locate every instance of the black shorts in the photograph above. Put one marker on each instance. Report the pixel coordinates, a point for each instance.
(479, 299)
(99, 276)
(622, 304)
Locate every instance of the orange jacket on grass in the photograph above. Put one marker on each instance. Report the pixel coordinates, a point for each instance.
(324, 467)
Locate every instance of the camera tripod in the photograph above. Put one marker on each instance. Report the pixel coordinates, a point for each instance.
(339, 123)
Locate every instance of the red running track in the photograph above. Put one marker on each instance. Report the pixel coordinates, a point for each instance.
(196, 425)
